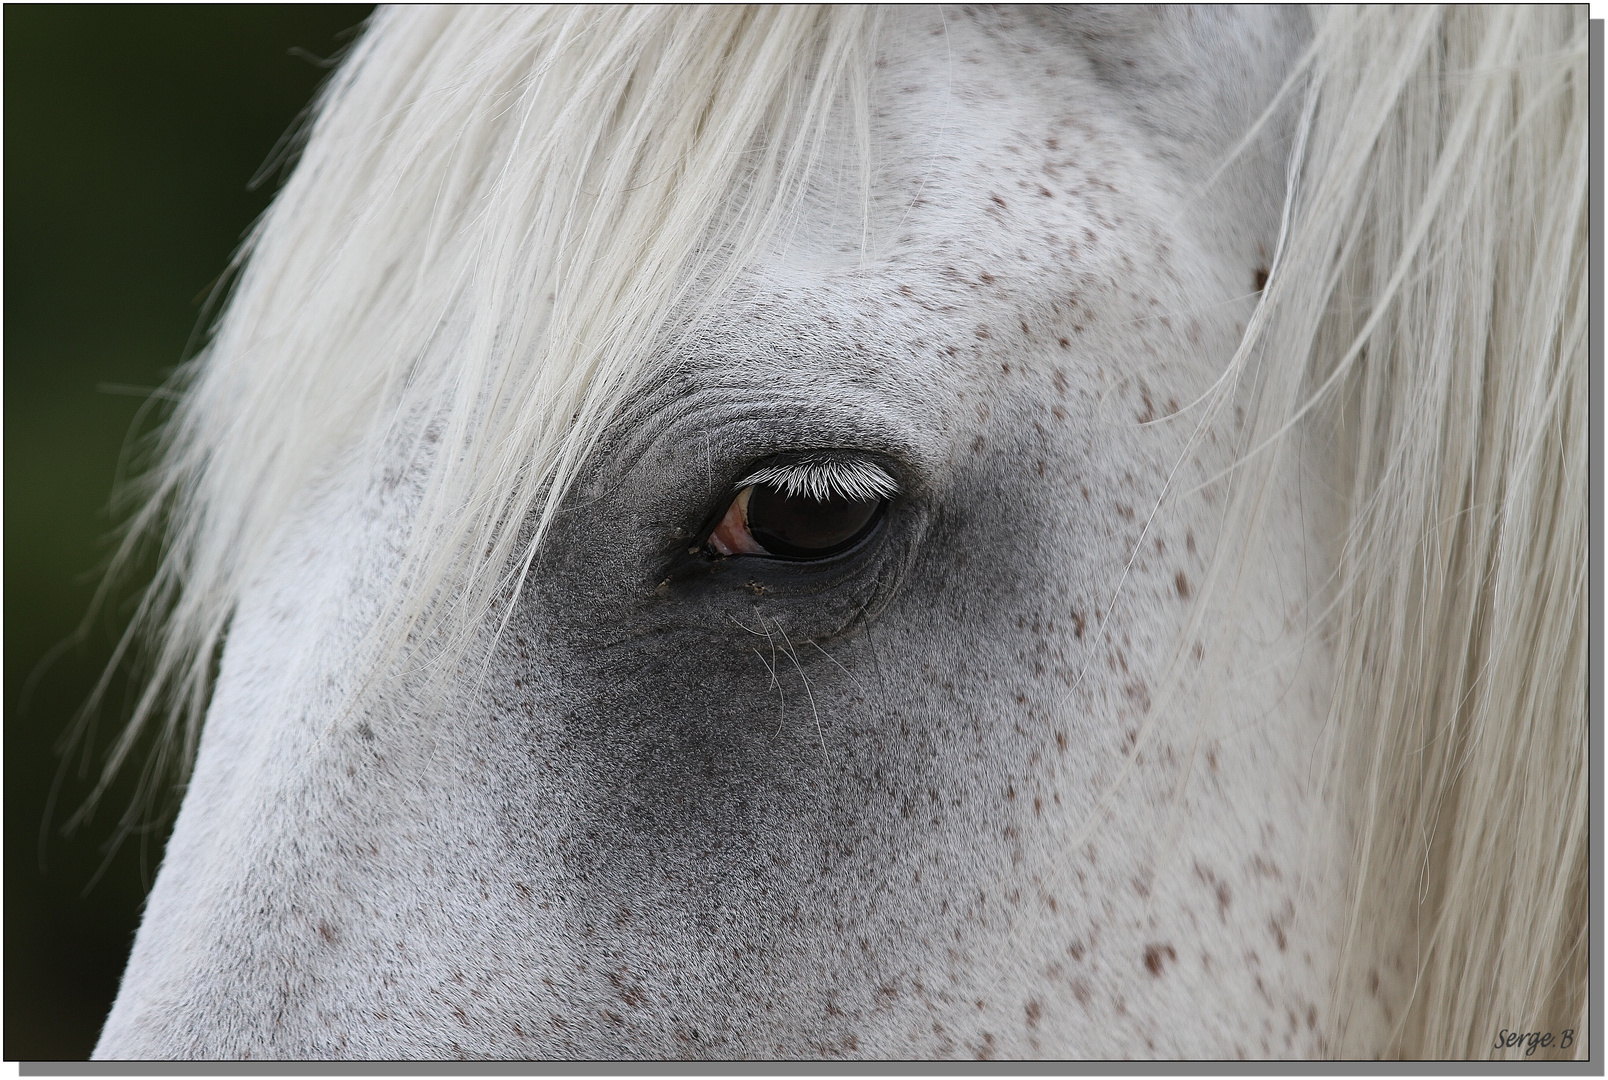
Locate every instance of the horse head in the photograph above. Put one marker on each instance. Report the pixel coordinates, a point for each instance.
(731, 531)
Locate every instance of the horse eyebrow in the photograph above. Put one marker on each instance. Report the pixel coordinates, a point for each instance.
(824, 477)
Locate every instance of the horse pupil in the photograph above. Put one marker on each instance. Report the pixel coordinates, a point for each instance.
(800, 527)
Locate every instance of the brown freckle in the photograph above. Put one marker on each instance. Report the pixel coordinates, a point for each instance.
(1150, 409)
(1006, 368)
(1265, 869)
(1189, 540)
(1156, 957)
(1312, 1016)
(1038, 806)
(327, 932)
(1065, 344)
(1182, 584)
(1373, 982)
(1060, 741)
(977, 445)
(998, 201)
(1260, 278)
(1139, 694)
(1080, 990)
(1034, 1010)
(1058, 412)
(982, 332)
(986, 279)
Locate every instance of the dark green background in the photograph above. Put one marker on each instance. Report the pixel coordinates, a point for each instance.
(130, 136)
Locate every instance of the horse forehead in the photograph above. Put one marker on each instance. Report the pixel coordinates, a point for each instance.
(930, 288)
(1003, 195)
(1188, 82)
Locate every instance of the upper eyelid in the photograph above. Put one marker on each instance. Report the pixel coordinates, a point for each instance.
(823, 478)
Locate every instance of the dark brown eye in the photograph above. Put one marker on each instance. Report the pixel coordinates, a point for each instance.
(808, 508)
(763, 520)
(801, 527)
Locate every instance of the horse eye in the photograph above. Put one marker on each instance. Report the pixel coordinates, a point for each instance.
(762, 520)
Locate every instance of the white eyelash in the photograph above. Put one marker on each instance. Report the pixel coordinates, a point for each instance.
(824, 478)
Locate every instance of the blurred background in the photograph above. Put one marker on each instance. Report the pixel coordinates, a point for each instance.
(131, 134)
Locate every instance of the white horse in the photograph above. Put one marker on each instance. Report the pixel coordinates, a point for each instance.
(974, 532)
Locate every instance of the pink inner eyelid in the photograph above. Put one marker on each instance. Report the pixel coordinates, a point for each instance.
(731, 536)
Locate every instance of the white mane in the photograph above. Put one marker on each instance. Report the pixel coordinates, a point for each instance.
(503, 219)
(1433, 276)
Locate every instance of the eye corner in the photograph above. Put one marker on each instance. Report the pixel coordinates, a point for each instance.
(730, 535)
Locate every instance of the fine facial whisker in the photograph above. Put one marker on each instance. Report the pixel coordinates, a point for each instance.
(777, 683)
(792, 655)
(840, 667)
(740, 626)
